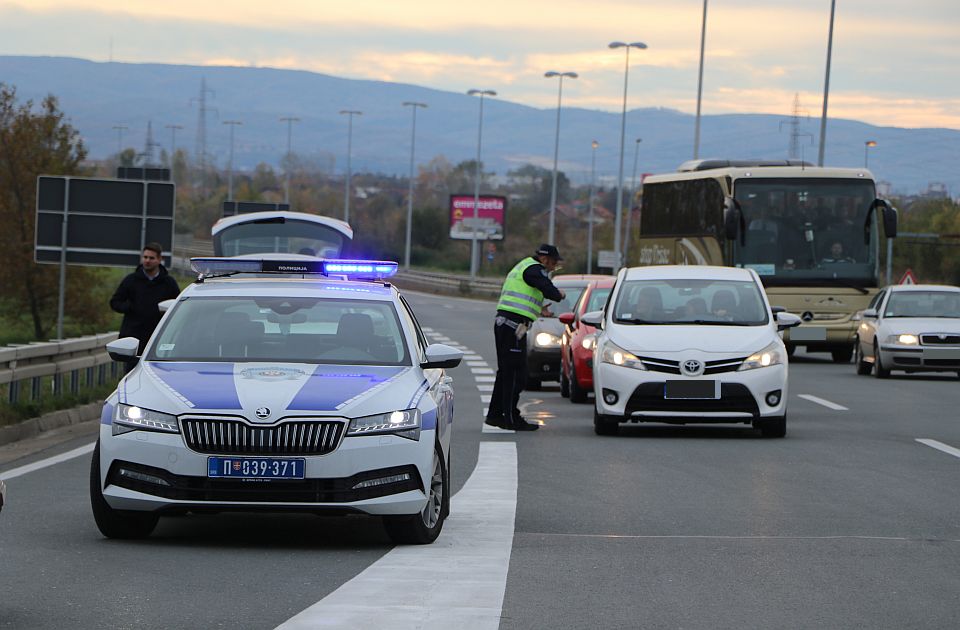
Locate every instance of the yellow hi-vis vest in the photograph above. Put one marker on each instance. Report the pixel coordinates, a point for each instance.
(517, 296)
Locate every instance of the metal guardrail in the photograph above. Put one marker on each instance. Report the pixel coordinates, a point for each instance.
(84, 357)
(448, 284)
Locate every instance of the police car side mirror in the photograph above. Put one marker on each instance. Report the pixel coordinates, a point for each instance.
(166, 305)
(593, 318)
(441, 356)
(787, 320)
(123, 349)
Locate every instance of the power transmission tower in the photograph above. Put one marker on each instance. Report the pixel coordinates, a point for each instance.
(201, 147)
(149, 155)
(794, 122)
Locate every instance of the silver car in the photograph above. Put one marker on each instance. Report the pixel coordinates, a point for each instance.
(914, 328)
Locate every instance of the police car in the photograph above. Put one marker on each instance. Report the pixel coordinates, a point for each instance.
(287, 385)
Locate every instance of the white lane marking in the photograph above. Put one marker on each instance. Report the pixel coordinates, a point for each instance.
(485, 398)
(457, 582)
(481, 370)
(489, 378)
(488, 429)
(446, 306)
(485, 388)
(940, 446)
(426, 330)
(477, 363)
(821, 401)
(43, 463)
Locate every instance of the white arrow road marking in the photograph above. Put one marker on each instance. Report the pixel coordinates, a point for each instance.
(43, 463)
(822, 401)
(940, 446)
(457, 582)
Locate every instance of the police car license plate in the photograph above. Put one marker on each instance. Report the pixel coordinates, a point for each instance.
(692, 389)
(255, 467)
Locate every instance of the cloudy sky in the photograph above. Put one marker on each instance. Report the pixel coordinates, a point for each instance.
(895, 62)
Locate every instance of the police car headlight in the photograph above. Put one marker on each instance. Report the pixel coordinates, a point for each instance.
(133, 418)
(404, 423)
(546, 340)
(904, 340)
(771, 355)
(615, 355)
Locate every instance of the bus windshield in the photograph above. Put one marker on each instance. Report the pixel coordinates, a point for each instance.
(803, 230)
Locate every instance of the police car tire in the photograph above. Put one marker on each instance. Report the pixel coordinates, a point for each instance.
(577, 393)
(564, 383)
(124, 524)
(411, 529)
(772, 427)
(603, 425)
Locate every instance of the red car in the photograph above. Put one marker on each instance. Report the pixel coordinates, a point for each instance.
(576, 345)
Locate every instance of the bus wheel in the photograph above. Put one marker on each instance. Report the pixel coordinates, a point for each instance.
(791, 349)
(842, 355)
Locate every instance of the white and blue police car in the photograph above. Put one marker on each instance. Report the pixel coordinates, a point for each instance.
(279, 385)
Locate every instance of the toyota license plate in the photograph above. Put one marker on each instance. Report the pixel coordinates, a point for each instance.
(255, 467)
(692, 390)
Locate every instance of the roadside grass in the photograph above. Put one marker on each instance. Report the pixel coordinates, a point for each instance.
(27, 407)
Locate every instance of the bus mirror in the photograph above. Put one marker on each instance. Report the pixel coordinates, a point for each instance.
(733, 221)
(888, 215)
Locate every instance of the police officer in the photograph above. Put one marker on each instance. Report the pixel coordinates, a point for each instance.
(521, 302)
(139, 295)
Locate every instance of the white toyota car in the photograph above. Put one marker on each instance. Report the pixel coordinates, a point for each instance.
(690, 344)
(288, 387)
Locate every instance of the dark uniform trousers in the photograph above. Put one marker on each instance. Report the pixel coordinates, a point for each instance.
(511, 370)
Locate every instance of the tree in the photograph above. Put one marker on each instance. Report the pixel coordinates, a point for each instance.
(35, 141)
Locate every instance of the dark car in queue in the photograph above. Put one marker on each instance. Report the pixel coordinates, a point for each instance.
(543, 338)
(576, 344)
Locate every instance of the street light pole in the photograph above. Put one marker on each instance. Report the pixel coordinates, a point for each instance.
(826, 87)
(593, 173)
(289, 120)
(556, 151)
(233, 124)
(476, 183)
(703, 41)
(633, 195)
(413, 141)
(346, 187)
(623, 133)
(866, 147)
(120, 129)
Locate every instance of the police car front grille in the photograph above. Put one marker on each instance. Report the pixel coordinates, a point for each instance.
(236, 437)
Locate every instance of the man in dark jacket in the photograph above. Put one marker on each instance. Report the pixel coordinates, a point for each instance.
(140, 293)
(521, 302)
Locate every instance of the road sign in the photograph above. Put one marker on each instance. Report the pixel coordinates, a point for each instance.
(908, 277)
(102, 222)
(608, 259)
(231, 208)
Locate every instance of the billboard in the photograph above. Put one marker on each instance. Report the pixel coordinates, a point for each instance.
(489, 224)
(232, 208)
(107, 221)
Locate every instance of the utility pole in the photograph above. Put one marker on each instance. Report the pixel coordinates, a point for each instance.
(286, 189)
(201, 154)
(233, 124)
(346, 185)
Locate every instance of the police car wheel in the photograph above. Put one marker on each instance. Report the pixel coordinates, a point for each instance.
(423, 528)
(116, 523)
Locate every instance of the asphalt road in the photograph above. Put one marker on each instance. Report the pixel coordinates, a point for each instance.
(848, 522)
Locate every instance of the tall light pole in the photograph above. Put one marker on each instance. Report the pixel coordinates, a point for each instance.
(556, 151)
(233, 124)
(346, 187)
(869, 144)
(826, 87)
(633, 195)
(476, 183)
(703, 42)
(120, 129)
(623, 133)
(413, 142)
(173, 140)
(289, 120)
(593, 173)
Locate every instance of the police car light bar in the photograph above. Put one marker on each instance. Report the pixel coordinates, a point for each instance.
(357, 269)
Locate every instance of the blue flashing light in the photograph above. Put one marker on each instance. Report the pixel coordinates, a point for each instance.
(355, 269)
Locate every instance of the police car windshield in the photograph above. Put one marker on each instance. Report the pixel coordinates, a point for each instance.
(282, 329)
(691, 301)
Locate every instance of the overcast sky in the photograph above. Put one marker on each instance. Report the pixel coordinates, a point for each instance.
(895, 62)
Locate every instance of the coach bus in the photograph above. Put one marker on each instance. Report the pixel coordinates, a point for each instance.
(811, 233)
(283, 232)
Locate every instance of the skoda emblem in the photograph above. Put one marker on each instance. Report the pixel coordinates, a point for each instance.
(263, 412)
(692, 367)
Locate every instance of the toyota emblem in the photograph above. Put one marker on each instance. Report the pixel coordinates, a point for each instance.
(263, 413)
(692, 367)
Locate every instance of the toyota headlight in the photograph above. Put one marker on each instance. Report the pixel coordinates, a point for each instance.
(546, 340)
(589, 342)
(404, 423)
(615, 355)
(144, 419)
(771, 355)
(904, 340)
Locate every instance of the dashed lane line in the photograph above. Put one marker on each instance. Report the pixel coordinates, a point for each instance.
(457, 582)
(940, 446)
(823, 402)
(43, 463)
